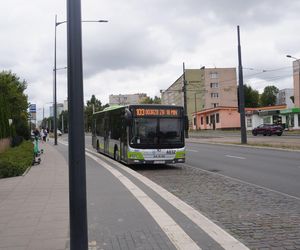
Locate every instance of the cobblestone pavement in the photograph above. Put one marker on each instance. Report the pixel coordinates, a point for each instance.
(260, 218)
(140, 239)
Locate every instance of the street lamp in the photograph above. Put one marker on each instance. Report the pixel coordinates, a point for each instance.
(54, 73)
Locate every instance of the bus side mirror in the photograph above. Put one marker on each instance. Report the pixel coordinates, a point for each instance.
(128, 117)
(186, 123)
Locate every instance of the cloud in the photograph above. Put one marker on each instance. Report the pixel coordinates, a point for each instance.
(142, 47)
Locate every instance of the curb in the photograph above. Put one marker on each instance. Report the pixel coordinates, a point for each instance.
(246, 146)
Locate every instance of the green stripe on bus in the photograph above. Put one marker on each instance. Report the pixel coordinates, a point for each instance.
(180, 154)
(135, 155)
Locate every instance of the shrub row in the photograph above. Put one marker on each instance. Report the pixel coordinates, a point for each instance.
(14, 161)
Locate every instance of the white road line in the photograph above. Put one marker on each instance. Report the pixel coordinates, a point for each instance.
(245, 182)
(191, 150)
(218, 234)
(237, 157)
(175, 233)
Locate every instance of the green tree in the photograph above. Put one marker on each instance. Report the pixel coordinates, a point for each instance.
(251, 97)
(268, 97)
(14, 104)
(149, 100)
(63, 120)
(88, 112)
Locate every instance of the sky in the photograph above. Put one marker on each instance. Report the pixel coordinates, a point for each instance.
(142, 47)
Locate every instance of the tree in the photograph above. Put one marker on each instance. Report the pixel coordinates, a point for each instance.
(14, 104)
(149, 100)
(88, 112)
(268, 97)
(251, 97)
(63, 120)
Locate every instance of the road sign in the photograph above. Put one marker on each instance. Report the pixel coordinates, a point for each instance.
(32, 108)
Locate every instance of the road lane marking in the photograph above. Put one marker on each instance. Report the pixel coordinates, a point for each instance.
(214, 231)
(236, 157)
(245, 182)
(176, 234)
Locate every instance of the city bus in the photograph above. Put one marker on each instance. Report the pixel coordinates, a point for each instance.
(141, 134)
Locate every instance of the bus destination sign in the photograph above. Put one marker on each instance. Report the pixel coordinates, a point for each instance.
(156, 112)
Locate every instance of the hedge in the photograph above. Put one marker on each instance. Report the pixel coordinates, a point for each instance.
(14, 161)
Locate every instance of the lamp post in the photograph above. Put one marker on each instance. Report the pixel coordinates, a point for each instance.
(54, 74)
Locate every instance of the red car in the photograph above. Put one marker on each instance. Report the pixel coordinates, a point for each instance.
(268, 129)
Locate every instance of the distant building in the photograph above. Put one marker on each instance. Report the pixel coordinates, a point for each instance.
(206, 88)
(284, 97)
(59, 109)
(296, 77)
(229, 118)
(126, 99)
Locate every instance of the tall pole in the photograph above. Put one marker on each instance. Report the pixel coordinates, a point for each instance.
(54, 88)
(62, 123)
(241, 93)
(77, 173)
(184, 100)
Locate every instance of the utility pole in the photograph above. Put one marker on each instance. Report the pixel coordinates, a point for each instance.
(54, 88)
(62, 123)
(241, 93)
(185, 101)
(77, 172)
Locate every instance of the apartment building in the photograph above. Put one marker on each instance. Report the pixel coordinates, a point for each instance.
(205, 88)
(284, 97)
(126, 99)
(296, 76)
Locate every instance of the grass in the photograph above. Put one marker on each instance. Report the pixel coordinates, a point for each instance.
(14, 161)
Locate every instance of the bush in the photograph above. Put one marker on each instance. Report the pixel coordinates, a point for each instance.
(16, 140)
(14, 161)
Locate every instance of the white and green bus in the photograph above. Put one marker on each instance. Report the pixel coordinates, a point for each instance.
(141, 134)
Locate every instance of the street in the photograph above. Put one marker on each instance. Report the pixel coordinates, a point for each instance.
(252, 193)
(275, 169)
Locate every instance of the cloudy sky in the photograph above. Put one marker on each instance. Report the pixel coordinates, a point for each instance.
(142, 47)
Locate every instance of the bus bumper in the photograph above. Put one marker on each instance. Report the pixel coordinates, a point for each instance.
(158, 161)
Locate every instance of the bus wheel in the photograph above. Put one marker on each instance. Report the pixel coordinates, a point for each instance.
(116, 154)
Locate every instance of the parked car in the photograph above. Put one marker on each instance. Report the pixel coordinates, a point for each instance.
(59, 133)
(268, 129)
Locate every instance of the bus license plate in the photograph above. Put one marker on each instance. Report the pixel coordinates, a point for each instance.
(159, 162)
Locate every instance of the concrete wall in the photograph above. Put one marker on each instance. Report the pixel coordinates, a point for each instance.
(4, 144)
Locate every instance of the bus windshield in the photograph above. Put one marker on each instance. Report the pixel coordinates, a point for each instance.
(156, 131)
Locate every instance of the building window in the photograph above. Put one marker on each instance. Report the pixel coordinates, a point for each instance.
(214, 85)
(267, 120)
(207, 119)
(214, 105)
(217, 118)
(214, 75)
(214, 95)
(249, 122)
(202, 120)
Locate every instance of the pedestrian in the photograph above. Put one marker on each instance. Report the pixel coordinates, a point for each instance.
(42, 135)
(45, 135)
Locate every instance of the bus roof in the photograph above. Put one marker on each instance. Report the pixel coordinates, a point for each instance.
(113, 107)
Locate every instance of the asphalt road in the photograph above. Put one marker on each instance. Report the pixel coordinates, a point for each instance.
(270, 168)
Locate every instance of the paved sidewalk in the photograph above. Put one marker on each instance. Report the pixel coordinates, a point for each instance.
(34, 208)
